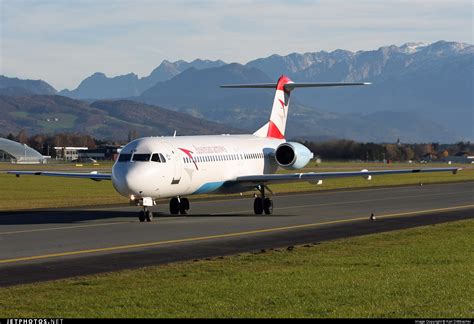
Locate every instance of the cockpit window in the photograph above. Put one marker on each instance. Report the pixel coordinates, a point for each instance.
(158, 157)
(124, 157)
(141, 157)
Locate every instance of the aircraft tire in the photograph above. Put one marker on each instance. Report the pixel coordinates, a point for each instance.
(183, 206)
(149, 216)
(174, 206)
(268, 206)
(141, 216)
(258, 206)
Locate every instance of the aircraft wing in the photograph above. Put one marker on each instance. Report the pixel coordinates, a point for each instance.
(316, 176)
(93, 175)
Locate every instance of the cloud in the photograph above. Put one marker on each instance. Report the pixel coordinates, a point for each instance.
(62, 42)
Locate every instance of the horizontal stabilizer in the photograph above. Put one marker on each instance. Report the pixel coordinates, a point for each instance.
(291, 86)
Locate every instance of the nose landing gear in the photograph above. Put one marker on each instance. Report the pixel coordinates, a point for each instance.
(145, 215)
(262, 204)
(179, 205)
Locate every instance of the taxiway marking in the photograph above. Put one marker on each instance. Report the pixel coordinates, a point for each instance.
(218, 236)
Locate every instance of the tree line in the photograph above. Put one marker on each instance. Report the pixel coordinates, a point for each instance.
(352, 150)
(327, 150)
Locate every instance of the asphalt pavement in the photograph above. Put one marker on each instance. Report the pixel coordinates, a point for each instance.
(50, 244)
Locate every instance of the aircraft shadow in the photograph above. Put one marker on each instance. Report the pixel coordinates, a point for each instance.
(230, 215)
(60, 216)
(54, 216)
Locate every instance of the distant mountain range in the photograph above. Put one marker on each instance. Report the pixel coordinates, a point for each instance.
(420, 92)
(250, 108)
(15, 86)
(99, 86)
(105, 119)
(435, 81)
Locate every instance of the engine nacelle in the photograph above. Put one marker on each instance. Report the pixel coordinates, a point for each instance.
(291, 155)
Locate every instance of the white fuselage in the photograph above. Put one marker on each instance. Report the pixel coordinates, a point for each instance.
(161, 167)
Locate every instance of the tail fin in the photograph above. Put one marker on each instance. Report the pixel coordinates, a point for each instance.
(275, 128)
(277, 122)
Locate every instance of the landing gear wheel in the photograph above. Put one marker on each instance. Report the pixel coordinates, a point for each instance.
(268, 206)
(183, 206)
(174, 206)
(148, 215)
(141, 216)
(258, 206)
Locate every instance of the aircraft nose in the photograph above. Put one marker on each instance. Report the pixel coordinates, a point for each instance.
(131, 180)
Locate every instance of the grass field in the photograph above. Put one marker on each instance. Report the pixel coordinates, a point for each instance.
(28, 192)
(426, 272)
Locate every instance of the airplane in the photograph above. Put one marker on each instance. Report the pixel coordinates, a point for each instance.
(177, 167)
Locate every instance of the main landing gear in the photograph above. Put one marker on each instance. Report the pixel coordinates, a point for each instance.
(179, 206)
(262, 204)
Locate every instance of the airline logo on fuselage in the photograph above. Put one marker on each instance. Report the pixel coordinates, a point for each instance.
(189, 154)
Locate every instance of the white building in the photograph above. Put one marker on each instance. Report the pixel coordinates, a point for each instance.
(68, 153)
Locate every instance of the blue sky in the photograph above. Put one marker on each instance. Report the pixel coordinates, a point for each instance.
(62, 42)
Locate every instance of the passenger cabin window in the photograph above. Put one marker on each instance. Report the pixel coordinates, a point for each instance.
(124, 157)
(141, 157)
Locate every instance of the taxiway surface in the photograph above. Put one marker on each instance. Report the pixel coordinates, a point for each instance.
(59, 243)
